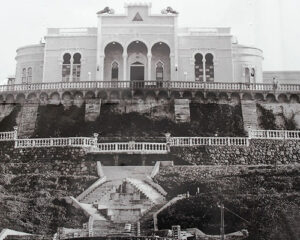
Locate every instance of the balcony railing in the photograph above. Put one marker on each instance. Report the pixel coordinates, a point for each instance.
(176, 85)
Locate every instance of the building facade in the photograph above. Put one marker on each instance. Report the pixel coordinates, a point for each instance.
(139, 45)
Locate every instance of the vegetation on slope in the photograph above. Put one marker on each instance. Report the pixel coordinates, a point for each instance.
(269, 200)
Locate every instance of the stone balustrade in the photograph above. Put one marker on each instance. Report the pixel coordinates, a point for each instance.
(183, 85)
(131, 147)
(7, 136)
(208, 141)
(54, 142)
(274, 134)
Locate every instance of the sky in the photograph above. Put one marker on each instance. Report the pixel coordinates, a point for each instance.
(272, 25)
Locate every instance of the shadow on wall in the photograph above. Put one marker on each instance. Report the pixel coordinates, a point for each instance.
(123, 120)
(9, 114)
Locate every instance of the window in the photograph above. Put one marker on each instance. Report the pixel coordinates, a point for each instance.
(76, 67)
(114, 71)
(199, 67)
(29, 75)
(24, 75)
(247, 75)
(209, 67)
(252, 75)
(66, 67)
(159, 71)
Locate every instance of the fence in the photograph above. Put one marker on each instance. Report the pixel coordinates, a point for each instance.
(274, 134)
(208, 141)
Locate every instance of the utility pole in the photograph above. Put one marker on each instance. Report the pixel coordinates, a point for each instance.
(222, 231)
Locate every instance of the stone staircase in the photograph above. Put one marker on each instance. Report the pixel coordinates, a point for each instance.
(152, 194)
(249, 114)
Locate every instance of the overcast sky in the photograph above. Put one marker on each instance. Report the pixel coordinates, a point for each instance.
(272, 25)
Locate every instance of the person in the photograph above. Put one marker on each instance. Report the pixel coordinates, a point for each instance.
(275, 83)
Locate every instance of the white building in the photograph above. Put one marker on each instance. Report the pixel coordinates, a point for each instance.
(139, 45)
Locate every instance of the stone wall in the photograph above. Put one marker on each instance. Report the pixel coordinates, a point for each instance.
(259, 152)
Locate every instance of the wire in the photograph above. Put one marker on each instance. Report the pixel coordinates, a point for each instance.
(236, 215)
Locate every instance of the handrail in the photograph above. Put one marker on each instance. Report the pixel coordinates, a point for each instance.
(257, 87)
(274, 134)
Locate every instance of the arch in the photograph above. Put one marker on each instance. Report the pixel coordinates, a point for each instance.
(211, 97)
(187, 95)
(209, 67)
(29, 75)
(114, 95)
(138, 40)
(126, 95)
(175, 95)
(43, 96)
(282, 98)
(113, 55)
(162, 95)
(159, 71)
(247, 75)
(66, 67)
(198, 66)
(102, 95)
(270, 98)
(20, 98)
(259, 97)
(54, 98)
(31, 96)
(24, 78)
(114, 71)
(294, 98)
(90, 95)
(67, 96)
(1, 99)
(223, 96)
(138, 94)
(78, 95)
(199, 96)
(10, 98)
(160, 60)
(247, 96)
(76, 67)
(150, 95)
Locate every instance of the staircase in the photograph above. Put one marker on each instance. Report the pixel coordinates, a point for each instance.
(249, 114)
(153, 195)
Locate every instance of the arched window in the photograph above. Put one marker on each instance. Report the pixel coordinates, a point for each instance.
(29, 75)
(66, 67)
(76, 67)
(252, 75)
(114, 71)
(159, 71)
(209, 67)
(24, 80)
(199, 67)
(247, 75)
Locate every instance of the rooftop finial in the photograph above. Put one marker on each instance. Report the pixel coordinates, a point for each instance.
(106, 10)
(169, 10)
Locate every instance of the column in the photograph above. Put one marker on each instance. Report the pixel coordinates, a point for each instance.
(149, 66)
(100, 68)
(204, 69)
(173, 67)
(124, 66)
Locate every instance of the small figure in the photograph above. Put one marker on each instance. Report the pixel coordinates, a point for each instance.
(275, 83)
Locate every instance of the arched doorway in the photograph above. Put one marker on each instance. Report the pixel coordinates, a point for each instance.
(137, 60)
(113, 62)
(137, 71)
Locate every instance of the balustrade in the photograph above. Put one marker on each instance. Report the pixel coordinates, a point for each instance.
(7, 136)
(208, 141)
(192, 85)
(274, 134)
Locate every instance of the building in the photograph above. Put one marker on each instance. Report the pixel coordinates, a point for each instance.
(139, 45)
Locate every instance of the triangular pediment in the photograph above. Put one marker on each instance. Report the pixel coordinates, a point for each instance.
(137, 17)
